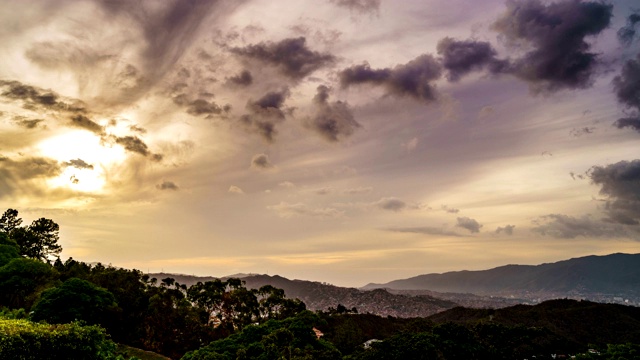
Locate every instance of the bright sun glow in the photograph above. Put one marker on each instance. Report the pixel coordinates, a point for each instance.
(85, 158)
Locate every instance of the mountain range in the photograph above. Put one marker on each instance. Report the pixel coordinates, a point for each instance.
(615, 274)
(609, 278)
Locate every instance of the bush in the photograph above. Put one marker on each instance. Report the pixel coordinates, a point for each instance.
(22, 339)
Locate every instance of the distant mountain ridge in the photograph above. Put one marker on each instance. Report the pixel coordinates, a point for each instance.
(609, 274)
(321, 296)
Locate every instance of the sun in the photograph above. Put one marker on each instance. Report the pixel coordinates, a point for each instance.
(84, 158)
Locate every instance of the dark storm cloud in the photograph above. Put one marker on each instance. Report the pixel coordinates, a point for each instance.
(627, 90)
(78, 164)
(261, 161)
(332, 120)
(135, 145)
(18, 91)
(627, 84)
(291, 56)
(38, 99)
(620, 183)
(361, 6)
(470, 224)
(244, 78)
(167, 185)
(631, 122)
(265, 113)
(507, 229)
(83, 122)
(627, 33)
(412, 79)
(559, 56)
(425, 230)
(569, 227)
(462, 57)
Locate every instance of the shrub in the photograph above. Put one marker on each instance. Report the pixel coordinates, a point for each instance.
(22, 339)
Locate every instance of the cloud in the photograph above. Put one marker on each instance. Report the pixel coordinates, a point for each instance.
(135, 145)
(620, 183)
(450, 210)
(559, 57)
(461, 57)
(15, 174)
(507, 229)
(235, 190)
(470, 224)
(167, 32)
(391, 204)
(83, 122)
(138, 129)
(627, 33)
(425, 230)
(287, 210)
(627, 84)
(28, 123)
(630, 122)
(361, 6)
(39, 99)
(167, 185)
(244, 78)
(332, 120)
(78, 164)
(358, 190)
(627, 90)
(585, 130)
(287, 184)
(261, 161)
(291, 56)
(202, 107)
(265, 114)
(412, 79)
(410, 145)
(569, 227)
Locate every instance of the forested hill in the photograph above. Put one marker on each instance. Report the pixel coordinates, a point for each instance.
(322, 296)
(581, 322)
(610, 274)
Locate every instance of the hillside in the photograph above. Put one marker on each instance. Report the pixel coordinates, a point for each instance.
(319, 296)
(615, 274)
(582, 322)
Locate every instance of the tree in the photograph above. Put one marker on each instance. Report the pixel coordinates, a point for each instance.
(9, 220)
(8, 249)
(36, 241)
(75, 300)
(21, 280)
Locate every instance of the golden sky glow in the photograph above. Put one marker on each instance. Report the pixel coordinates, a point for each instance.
(341, 141)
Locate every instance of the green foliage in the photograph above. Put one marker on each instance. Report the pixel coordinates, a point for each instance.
(75, 300)
(6, 313)
(37, 241)
(22, 280)
(292, 338)
(22, 339)
(8, 249)
(626, 351)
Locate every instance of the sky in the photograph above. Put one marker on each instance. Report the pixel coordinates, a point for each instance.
(342, 141)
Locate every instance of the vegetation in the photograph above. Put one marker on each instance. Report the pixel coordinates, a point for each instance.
(22, 339)
(50, 309)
